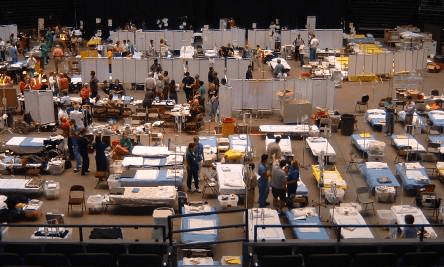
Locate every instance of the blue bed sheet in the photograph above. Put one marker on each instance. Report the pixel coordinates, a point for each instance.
(437, 117)
(161, 179)
(437, 139)
(208, 140)
(374, 176)
(299, 233)
(408, 178)
(198, 236)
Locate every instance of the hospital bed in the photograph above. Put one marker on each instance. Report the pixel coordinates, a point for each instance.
(11, 162)
(378, 174)
(376, 118)
(151, 151)
(350, 216)
(21, 186)
(197, 261)
(144, 196)
(401, 210)
(306, 216)
(334, 185)
(265, 216)
(272, 63)
(439, 139)
(137, 161)
(29, 145)
(417, 120)
(284, 144)
(240, 142)
(209, 149)
(403, 140)
(320, 145)
(230, 179)
(413, 175)
(199, 222)
(366, 142)
(298, 130)
(149, 177)
(437, 118)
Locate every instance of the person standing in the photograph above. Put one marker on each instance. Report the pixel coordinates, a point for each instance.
(85, 93)
(150, 82)
(73, 139)
(389, 116)
(202, 91)
(83, 143)
(148, 99)
(292, 182)
(274, 150)
(301, 53)
(409, 110)
(187, 82)
(249, 74)
(314, 43)
(100, 147)
(191, 167)
(94, 85)
(262, 182)
(58, 56)
(210, 75)
(250, 180)
(172, 93)
(156, 67)
(2, 50)
(297, 43)
(199, 158)
(278, 69)
(278, 184)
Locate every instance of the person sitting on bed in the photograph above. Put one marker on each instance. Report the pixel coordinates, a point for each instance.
(409, 232)
(126, 142)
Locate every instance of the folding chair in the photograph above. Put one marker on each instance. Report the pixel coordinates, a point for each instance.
(209, 183)
(363, 198)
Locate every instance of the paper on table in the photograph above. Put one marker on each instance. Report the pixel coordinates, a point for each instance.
(201, 223)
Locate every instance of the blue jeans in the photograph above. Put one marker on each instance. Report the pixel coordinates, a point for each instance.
(75, 150)
(312, 54)
(263, 192)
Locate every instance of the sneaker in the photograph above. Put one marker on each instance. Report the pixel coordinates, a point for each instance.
(76, 170)
(198, 190)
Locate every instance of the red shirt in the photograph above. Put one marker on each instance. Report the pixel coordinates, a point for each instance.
(57, 52)
(22, 86)
(84, 93)
(63, 83)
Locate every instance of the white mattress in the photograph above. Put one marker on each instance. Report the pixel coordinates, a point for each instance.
(132, 161)
(32, 145)
(401, 210)
(350, 216)
(402, 141)
(300, 128)
(284, 144)
(321, 144)
(150, 151)
(17, 185)
(230, 179)
(262, 216)
(148, 174)
(146, 196)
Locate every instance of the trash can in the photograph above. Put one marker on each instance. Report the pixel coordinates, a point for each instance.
(347, 124)
(228, 126)
(160, 216)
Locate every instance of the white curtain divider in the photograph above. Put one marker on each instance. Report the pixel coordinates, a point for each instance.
(141, 70)
(102, 70)
(40, 105)
(129, 70)
(139, 43)
(87, 65)
(117, 68)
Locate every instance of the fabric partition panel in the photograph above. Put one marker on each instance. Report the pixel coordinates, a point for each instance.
(409, 60)
(352, 65)
(318, 96)
(262, 95)
(227, 37)
(139, 43)
(243, 67)
(102, 71)
(114, 36)
(207, 39)
(87, 65)
(123, 35)
(398, 61)
(360, 67)
(218, 38)
(329, 88)
(129, 70)
(219, 67)
(178, 69)
(170, 40)
(252, 38)
(131, 36)
(286, 38)
(225, 101)
(249, 94)
(187, 36)
(117, 68)
(203, 69)
(37, 103)
(232, 69)
(368, 63)
(142, 70)
(193, 67)
(277, 85)
(237, 92)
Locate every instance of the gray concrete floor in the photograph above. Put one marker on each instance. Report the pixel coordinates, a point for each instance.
(345, 99)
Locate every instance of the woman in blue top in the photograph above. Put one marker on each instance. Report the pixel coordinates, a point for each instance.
(292, 182)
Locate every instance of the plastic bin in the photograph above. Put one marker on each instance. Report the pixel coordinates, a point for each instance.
(160, 216)
(227, 201)
(51, 189)
(228, 126)
(347, 124)
(94, 203)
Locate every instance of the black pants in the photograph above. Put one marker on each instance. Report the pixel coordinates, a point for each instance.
(189, 93)
(85, 161)
(193, 174)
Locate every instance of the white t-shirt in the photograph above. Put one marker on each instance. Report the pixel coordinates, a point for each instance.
(314, 43)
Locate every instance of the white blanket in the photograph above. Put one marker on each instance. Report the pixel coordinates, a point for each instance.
(320, 144)
(262, 216)
(230, 179)
(350, 216)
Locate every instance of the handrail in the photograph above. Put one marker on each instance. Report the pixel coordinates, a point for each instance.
(81, 226)
(339, 227)
(172, 231)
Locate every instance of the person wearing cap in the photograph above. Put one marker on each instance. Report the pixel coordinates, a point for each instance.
(58, 55)
(274, 150)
